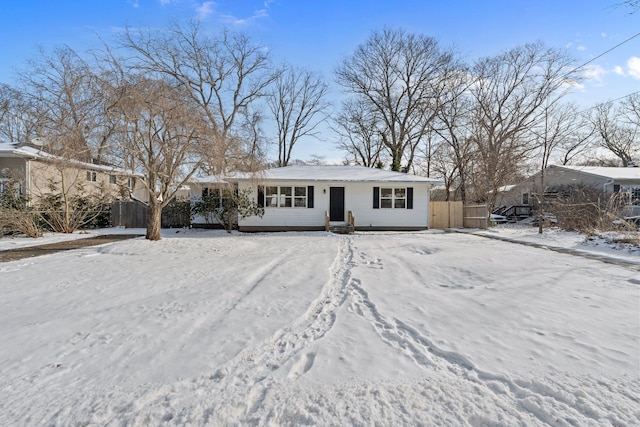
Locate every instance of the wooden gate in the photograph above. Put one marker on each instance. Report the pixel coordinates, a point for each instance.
(445, 215)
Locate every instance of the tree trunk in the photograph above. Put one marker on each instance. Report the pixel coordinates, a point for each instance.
(154, 221)
(541, 201)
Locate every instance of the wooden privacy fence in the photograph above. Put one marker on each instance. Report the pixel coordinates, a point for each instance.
(457, 215)
(134, 215)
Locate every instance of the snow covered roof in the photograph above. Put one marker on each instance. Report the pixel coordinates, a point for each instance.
(339, 173)
(13, 150)
(623, 174)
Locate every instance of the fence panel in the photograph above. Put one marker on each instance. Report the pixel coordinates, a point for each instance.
(128, 214)
(134, 215)
(475, 216)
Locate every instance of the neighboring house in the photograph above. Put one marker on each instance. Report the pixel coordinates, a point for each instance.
(312, 197)
(622, 181)
(35, 169)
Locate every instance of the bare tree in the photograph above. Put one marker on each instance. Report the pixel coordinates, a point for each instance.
(400, 76)
(579, 141)
(558, 125)
(161, 131)
(18, 120)
(614, 133)
(452, 125)
(360, 137)
(510, 93)
(634, 5)
(60, 91)
(630, 107)
(297, 104)
(223, 75)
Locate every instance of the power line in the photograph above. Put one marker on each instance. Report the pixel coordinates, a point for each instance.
(608, 50)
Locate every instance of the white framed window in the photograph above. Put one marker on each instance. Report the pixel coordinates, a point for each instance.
(635, 195)
(113, 179)
(285, 197)
(525, 198)
(4, 185)
(393, 198)
(92, 176)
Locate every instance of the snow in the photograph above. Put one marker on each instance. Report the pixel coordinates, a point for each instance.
(332, 173)
(423, 328)
(618, 173)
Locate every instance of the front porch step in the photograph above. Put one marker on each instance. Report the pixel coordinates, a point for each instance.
(342, 229)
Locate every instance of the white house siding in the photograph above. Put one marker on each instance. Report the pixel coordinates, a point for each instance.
(358, 199)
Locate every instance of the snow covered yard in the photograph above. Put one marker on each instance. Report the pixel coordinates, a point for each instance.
(429, 328)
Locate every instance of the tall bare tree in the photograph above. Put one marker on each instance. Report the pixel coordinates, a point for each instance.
(19, 122)
(578, 141)
(510, 93)
(400, 76)
(297, 104)
(224, 76)
(60, 90)
(452, 125)
(161, 132)
(615, 133)
(357, 126)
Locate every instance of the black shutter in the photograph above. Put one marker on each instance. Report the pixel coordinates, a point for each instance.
(310, 196)
(409, 197)
(261, 196)
(376, 197)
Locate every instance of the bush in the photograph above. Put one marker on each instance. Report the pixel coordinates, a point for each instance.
(16, 216)
(582, 209)
(176, 214)
(227, 206)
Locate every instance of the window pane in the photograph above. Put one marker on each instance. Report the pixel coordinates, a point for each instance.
(285, 191)
(386, 192)
(385, 203)
(400, 192)
(285, 202)
(268, 191)
(300, 202)
(399, 203)
(301, 191)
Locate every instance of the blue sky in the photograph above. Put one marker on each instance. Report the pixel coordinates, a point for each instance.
(318, 34)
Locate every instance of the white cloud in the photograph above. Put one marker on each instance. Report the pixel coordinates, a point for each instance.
(205, 9)
(581, 48)
(603, 35)
(634, 67)
(257, 15)
(594, 72)
(619, 70)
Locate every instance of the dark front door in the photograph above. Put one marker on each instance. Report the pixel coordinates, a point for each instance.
(336, 203)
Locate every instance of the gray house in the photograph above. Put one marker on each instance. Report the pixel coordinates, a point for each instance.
(622, 181)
